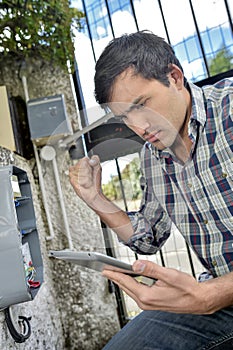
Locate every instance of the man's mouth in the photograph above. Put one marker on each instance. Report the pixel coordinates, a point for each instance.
(153, 137)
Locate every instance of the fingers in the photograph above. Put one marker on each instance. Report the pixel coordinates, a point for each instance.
(84, 171)
(136, 290)
(80, 173)
(174, 291)
(94, 161)
(147, 268)
(164, 275)
(85, 177)
(160, 273)
(124, 281)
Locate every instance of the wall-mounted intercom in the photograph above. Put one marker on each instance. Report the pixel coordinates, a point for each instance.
(47, 118)
(21, 267)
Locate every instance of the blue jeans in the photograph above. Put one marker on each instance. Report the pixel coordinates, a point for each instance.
(159, 330)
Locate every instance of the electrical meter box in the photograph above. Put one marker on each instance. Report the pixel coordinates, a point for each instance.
(21, 267)
(47, 118)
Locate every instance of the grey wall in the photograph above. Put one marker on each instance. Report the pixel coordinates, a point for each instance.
(73, 309)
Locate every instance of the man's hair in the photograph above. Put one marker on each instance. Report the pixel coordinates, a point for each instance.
(148, 54)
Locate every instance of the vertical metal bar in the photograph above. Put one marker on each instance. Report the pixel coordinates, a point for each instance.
(121, 184)
(80, 98)
(123, 193)
(134, 14)
(190, 260)
(229, 14)
(109, 17)
(162, 258)
(89, 28)
(122, 313)
(164, 22)
(121, 306)
(199, 38)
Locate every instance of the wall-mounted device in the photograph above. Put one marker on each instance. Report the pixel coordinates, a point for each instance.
(21, 267)
(48, 119)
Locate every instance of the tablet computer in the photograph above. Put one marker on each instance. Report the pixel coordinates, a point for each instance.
(99, 262)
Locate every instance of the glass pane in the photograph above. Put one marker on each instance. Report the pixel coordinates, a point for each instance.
(215, 33)
(99, 24)
(179, 20)
(97, 16)
(85, 72)
(101, 33)
(149, 17)
(230, 5)
(209, 13)
(183, 37)
(122, 17)
(130, 191)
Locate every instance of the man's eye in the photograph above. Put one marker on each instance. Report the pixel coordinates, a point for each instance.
(140, 105)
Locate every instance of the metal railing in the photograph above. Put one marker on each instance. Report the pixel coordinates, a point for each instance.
(175, 253)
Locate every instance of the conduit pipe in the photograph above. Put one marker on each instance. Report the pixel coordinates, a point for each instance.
(44, 197)
(48, 153)
(40, 174)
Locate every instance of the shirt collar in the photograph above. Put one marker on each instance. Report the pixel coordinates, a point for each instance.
(198, 104)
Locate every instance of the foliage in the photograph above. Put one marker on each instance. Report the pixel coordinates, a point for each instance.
(222, 62)
(131, 182)
(112, 188)
(132, 174)
(38, 29)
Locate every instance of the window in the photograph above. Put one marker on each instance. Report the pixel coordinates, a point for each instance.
(198, 31)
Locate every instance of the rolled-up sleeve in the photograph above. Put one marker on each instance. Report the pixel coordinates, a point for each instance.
(152, 228)
(151, 224)
(149, 234)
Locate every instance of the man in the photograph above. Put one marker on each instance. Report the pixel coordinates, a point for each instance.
(187, 162)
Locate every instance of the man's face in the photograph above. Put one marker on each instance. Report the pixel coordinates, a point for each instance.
(152, 110)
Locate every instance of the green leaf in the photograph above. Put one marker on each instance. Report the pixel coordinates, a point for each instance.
(37, 28)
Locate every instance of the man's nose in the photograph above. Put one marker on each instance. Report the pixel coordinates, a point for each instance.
(140, 126)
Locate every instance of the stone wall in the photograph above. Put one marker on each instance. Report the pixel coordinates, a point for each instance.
(73, 309)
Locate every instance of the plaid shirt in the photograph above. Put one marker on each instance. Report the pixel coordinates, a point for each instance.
(198, 196)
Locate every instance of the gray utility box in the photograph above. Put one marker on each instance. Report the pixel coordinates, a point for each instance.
(21, 267)
(47, 118)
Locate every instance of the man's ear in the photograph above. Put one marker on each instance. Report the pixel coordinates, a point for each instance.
(177, 75)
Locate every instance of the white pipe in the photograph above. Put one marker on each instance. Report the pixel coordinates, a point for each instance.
(48, 153)
(25, 87)
(43, 192)
(63, 208)
(41, 179)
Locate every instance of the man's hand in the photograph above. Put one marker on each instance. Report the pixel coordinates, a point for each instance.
(174, 291)
(85, 177)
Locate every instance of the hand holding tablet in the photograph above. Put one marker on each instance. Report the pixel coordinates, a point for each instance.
(99, 262)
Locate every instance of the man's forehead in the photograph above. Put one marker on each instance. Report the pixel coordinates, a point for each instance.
(123, 84)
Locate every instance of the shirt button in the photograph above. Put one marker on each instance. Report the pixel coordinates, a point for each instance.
(224, 175)
(205, 221)
(190, 185)
(214, 263)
